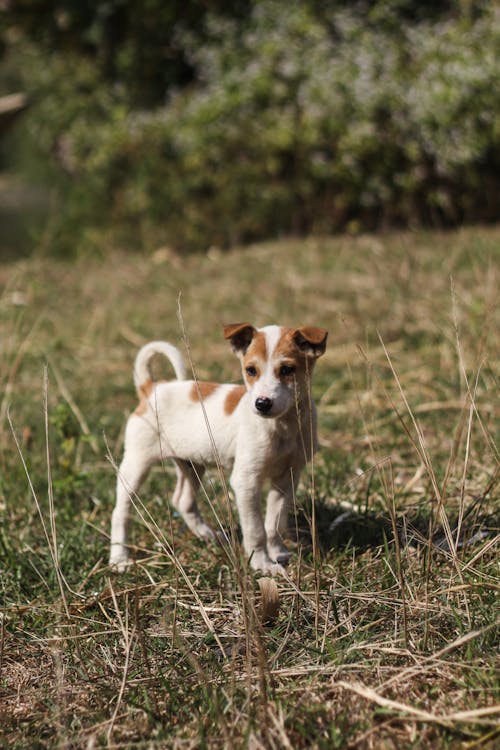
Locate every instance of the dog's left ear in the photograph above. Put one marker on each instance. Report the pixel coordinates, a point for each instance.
(240, 335)
(311, 340)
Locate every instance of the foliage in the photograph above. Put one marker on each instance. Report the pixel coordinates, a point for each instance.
(296, 121)
(132, 45)
(68, 479)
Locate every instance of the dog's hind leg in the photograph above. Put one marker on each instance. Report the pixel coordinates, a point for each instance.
(184, 499)
(131, 474)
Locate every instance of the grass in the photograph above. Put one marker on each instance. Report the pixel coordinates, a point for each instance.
(387, 631)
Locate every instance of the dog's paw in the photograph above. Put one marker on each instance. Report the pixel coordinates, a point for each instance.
(260, 561)
(275, 569)
(199, 527)
(119, 562)
(203, 531)
(279, 553)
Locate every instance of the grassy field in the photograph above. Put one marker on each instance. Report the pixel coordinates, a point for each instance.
(387, 632)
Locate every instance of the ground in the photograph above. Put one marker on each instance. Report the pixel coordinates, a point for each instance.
(387, 630)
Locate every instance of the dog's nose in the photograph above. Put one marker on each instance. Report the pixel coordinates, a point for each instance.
(263, 405)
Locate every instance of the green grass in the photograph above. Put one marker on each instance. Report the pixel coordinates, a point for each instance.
(383, 639)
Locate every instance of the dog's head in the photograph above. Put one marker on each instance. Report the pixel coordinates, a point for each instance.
(277, 363)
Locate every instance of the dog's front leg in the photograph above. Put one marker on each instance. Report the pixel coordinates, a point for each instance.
(247, 489)
(279, 503)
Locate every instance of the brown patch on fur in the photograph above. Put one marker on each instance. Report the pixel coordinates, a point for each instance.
(145, 391)
(240, 335)
(233, 398)
(308, 340)
(255, 356)
(258, 347)
(311, 338)
(201, 391)
(233, 329)
(286, 346)
(287, 352)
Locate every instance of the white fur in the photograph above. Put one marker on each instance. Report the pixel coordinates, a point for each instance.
(268, 386)
(272, 448)
(141, 370)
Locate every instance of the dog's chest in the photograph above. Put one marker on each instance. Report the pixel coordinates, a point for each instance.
(281, 452)
(283, 445)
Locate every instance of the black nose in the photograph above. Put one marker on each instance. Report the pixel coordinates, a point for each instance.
(263, 405)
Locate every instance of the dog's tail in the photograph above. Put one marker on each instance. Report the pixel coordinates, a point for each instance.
(141, 366)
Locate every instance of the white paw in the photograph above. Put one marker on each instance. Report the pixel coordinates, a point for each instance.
(262, 562)
(198, 527)
(119, 561)
(205, 532)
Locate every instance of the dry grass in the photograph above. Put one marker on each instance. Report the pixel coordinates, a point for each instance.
(387, 629)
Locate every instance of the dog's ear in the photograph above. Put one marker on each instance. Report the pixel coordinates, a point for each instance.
(240, 335)
(311, 340)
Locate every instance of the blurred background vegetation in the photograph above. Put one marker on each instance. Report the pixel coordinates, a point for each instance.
(199, 123)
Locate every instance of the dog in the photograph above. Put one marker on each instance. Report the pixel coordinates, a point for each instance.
(265, 429)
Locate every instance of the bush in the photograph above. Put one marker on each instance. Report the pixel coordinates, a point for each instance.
(296, 123)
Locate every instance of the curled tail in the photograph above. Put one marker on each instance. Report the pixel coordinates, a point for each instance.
(141, 370)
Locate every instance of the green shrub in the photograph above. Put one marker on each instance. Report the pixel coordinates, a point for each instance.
(296, 123)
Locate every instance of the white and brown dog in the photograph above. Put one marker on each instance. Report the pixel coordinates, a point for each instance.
(265, 429)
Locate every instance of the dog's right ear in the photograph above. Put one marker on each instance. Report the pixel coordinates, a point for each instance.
(240, 335)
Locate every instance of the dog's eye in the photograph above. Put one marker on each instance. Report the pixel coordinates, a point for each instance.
(287, 370)
(251, 371)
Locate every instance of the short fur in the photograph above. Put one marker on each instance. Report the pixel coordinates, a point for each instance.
(265, 432)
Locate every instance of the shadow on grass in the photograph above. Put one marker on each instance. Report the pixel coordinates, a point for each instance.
(339, 528)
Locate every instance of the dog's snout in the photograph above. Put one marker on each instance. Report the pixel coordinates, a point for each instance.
(263, 405)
